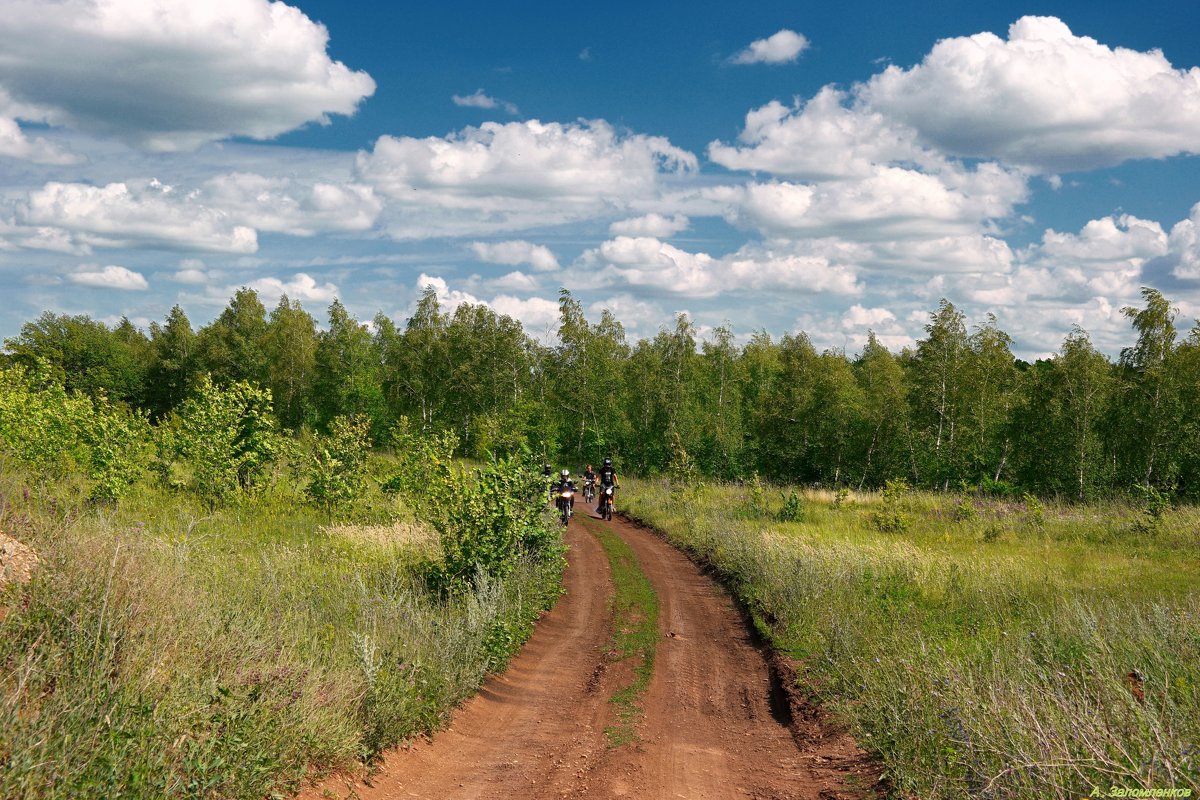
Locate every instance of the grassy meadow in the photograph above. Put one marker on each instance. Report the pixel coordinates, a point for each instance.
(984, 647)
(167, 650)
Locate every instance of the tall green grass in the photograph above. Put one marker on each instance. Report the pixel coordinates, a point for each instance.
(994, 649)
(162, 651)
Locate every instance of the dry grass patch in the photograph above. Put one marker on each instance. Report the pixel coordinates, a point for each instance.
(403, 535)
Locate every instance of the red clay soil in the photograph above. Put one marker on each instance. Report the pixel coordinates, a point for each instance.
(717, 724)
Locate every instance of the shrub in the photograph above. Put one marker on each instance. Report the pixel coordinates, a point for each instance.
(227, 435)
(337, 472)
(793, 509)
(891, 519)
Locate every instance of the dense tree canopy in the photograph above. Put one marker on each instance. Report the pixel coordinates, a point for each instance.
(955, 410)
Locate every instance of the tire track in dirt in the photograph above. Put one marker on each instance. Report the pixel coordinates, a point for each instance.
(537, 730)
(715, 725)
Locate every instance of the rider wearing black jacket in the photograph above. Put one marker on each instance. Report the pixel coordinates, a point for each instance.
(608, 475)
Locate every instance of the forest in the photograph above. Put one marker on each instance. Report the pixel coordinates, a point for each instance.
(956, 411)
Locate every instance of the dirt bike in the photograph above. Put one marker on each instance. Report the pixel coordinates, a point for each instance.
(589, 490)
(564, 501)
(606, 503)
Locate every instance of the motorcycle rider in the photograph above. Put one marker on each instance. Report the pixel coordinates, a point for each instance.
(548, 473)
(589, 476)
(608, 477)
(564, 483)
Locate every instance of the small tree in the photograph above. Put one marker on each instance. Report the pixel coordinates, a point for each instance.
(228, 436)
(337, 473)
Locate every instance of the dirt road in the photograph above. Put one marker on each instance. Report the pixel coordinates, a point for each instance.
(715, 725)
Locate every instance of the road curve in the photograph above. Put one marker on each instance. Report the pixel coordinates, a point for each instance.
(713, 726)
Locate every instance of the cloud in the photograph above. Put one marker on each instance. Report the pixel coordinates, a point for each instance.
(890, 203)
(534, 313)
(133, 214)
(168, 75)
(782, 47)
(15, 144)
(1044, 98)
(300, 287)
(110, 277)
(655, 225)
(820, 140)
(481, 100)
(649, 263)
(297, 208)
(517, 252)
(1185, 244)
(517, 175)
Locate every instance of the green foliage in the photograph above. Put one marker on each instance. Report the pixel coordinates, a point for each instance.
(891, 517)
(841, 498)
(421, 460)
(1155, 504)
(486, 521)
(226, 436)
(117, 443)
(49, 432)
(757, 500)
(964, 510)
(1035, 515)
(792, 510)
(337, 471)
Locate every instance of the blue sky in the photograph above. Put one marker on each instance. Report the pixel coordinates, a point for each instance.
(831, 168)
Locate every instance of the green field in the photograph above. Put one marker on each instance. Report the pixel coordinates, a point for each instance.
(166, 650)
(982, 647)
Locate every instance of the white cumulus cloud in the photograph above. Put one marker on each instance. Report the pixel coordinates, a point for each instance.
(301, 287)
(514, 253)
(170, 75)
(1045, 98)
(132, 214)
(782, 47)
(649, 263)
(655, 225)
(110, 277)
(499, 177)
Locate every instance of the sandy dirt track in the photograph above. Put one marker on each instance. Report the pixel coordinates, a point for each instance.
(717, 724)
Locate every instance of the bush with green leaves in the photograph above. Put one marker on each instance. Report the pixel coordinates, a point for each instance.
(40, 423)
(486, 520)
(117, 442)
(50, 432)
(421, 458)
(1154, 503)
(227, 436)
(337, 472)
(891, 518)
(792, 510)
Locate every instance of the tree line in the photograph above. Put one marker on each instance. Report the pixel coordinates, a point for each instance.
(955, 411)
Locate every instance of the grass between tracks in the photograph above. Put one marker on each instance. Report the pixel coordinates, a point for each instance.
(635, 631)
(982, 647)
(165, 651)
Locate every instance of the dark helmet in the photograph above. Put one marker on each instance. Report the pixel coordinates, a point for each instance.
(608, 462)
(566, 473)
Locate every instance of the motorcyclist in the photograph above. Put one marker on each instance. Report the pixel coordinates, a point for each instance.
(589, 476)
(564, 483)
(608, 477)
(548, 474)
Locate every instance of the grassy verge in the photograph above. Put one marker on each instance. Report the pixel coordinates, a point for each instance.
(165, 651)
(635, 631)
(983, 648)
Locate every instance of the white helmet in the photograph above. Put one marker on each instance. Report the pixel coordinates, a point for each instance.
(566, 473)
